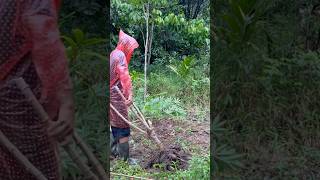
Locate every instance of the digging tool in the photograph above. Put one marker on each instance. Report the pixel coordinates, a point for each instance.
(150, 130)
(74, 155)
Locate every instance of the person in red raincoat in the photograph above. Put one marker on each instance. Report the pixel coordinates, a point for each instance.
(119, 76)
(30, 48)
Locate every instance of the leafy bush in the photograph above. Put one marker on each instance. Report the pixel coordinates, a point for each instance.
(87, 67)
(184, 68)
(122, 167)
(199, 169)
(78, 45)
(225, 158)
(160, 107)
(266, 81)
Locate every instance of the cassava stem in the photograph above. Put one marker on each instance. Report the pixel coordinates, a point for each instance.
(93, 160)
(138, 113)
(141, 119)
(125, 120)
(5, 142)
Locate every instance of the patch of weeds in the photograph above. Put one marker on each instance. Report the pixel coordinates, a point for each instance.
(178, 129)
(184, 143)
(122, 167)
(159, 166)
(189, 131)
(163, 107)
(146, 142)
(199, 169)
(195, 150)
(202, 115)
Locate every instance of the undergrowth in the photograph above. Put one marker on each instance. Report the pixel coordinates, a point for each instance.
(198, 169)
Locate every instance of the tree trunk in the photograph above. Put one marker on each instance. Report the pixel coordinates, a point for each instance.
(150, 43)
(146, 12)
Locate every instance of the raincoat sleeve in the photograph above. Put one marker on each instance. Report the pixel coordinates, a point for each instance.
(125, 79)
(48, 52)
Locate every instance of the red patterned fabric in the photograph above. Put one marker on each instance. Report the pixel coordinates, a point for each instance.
(31, 26)
(119, 75)
(20, 123)
(30, 47)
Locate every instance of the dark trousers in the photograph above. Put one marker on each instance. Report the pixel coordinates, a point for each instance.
(119, 133)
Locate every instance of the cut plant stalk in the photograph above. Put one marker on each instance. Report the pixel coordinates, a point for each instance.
(125, 120)
(22, 85)
(150, 130)
(127, 176)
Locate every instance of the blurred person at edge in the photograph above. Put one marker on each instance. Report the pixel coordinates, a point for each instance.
(119, 76)
(30, 48)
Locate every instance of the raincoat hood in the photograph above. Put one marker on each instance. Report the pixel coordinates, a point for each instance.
(127, 44)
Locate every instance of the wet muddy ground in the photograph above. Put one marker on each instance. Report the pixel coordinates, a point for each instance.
(182, 139)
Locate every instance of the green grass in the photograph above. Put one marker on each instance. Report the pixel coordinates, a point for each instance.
(199, 169)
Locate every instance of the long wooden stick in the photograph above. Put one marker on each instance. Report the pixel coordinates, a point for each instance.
(140, 116)
(134, 177)
(82, 166)
(93, 160)
(125, 120)
(22, 85)
(142, 120)
(5, 142)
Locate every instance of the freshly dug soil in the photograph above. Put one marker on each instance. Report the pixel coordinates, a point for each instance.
(195, 135)
(172, 158)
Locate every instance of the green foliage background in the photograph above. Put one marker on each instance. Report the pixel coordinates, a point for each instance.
(266, 87)
(82, 25)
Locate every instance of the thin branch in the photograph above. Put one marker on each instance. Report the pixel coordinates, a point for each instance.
(117, 174)
(146, 52)
(5, 142)
(150, 42)
(144, 43)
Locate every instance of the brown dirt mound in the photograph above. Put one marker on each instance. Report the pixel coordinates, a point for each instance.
(172, 158)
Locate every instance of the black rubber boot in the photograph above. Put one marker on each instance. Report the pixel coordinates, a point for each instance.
(113, 146)
(123, 150)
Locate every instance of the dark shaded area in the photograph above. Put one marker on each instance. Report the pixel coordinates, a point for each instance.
(265, 99)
